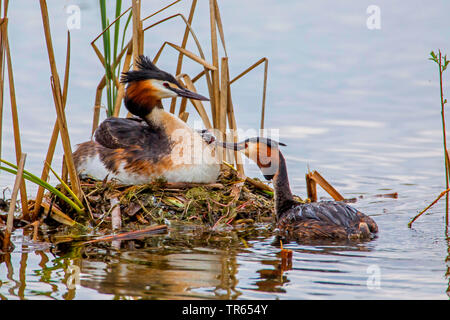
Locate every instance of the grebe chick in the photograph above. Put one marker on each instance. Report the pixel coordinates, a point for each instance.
(302, 221)
(132, 151)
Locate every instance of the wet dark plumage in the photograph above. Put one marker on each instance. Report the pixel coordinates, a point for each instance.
(326, 220)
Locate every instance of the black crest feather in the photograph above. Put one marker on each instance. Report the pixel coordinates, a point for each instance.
(144, 63)
(147, 70)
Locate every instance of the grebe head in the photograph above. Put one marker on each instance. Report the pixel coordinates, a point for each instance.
(147, 85)
(263, 151)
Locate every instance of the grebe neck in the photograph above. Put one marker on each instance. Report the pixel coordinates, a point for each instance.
(283, 195)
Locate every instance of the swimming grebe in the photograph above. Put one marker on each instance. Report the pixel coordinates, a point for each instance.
(301, 221)
(132, 151)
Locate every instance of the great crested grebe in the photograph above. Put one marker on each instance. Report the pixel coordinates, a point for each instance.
(132, 151)
(301, 221)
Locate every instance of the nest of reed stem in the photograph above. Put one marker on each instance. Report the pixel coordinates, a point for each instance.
(232, 200)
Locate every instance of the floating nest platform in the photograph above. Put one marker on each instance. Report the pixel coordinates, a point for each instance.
(232, 200)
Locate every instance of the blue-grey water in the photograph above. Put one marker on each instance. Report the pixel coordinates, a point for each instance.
(359, 105)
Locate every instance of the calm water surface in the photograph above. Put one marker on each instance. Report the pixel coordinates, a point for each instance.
(360, 106)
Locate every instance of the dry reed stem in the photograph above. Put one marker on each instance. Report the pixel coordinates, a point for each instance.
(161, 10)
(54, 136)
(187, 53)
(183, 45)
(326, 186)
(184, 101)
(201, 74)
(220, 26)
(99, 54)
(66, 71)
(116, 216)
(183, 106)
(17, 183)
(110, 25)
(57, 215)
(215, 97)
(129, 235)
(266, 63)
(135, 7)
(56, 87)
(223, 102)
(12, 205)
(184, 116)
(3, 30)
(428, 207)
(198, 105)
(311, 187)
(98, 103)
(15, 121)
(233, 127)
(258, 184)
(64, 173)
(223, 96)
(121, 88)
(5, 8)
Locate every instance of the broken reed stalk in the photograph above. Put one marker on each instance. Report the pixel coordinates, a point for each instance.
(316, 177)
(311, 187)
(56, 87)
(12, 206)
(428, 207)
(243, 73)
(98, 104)
(116, 216)
(54, 136)
(15, 121)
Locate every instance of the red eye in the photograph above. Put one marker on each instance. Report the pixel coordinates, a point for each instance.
(165, 84)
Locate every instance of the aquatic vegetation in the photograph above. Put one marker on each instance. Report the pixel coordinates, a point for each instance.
(442, 64)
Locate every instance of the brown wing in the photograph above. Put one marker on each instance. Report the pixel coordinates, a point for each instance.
(114, 133)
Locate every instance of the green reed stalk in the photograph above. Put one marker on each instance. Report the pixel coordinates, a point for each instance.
(111, 51)
(442, 63)
(31, 177)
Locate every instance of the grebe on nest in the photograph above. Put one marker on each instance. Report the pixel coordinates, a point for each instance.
(135, 151)
(301, 221)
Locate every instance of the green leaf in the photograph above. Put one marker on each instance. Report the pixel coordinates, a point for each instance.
(31, 177)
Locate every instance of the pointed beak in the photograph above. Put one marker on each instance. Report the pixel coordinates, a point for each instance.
(185, 93)
(233, 146)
